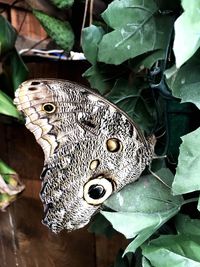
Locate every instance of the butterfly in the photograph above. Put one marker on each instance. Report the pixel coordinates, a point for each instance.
(91, 147)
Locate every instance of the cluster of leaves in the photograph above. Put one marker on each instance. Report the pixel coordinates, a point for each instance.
(12, 69)
(145, 58)
(12, 73)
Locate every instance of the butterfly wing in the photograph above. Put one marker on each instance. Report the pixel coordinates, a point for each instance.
(91, 148)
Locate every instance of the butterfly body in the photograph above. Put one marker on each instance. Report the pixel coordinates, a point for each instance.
(91, 148)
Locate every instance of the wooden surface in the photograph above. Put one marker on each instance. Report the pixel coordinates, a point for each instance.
(29, 29)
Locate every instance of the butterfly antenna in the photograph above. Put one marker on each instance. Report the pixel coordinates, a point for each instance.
(160, 157)
(161, 135)
(85, 15)
(91, 11)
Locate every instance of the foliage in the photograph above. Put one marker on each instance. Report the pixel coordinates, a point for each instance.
(142, 207)
(10, 185)
(130, 53)
(189, 165)
(7, 36)
(152, 73)
(188, 23)
(59, 30)
(181, 249)
(13, 72)
(63, 3)
(7, 107)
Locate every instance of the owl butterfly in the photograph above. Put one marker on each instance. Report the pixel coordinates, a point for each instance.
(92, 149)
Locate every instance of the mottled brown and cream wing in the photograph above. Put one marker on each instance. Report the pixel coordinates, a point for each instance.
(33, 98)
(92, 148)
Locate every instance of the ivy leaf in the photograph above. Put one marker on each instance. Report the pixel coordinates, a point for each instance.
(187, 173)
(185, 225)
(142, 207)
(7, 107)
(136, 30)
(97, 78)
(91, 36)
(147, 60)
(102, 77)
(135, 101)
(8, 36)
(187, 37)
(60, 31)
(145, 262)
(186, 86)
(173, 250)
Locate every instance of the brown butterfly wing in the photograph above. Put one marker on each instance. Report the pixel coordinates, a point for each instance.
(91, 148)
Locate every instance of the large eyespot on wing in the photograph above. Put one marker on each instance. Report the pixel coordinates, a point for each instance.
(97, 190)
(113, 145)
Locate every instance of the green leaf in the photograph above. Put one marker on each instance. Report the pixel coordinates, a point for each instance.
(7, 107)
(147, 60)
(8, 175)
(10, 185)
(136, 30)
(187, 37)
(14, 69)
(5, 169)
(173, 250)
(60, 31)
(136, 102)
(145, 262)
(142, 207)
(91, 36)
(5, 200)
(186, 225)
(170, 72)
(147, 195)
(102, 77)
(8, 36)
(62, 3)
(187, 173)
(185, 83)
